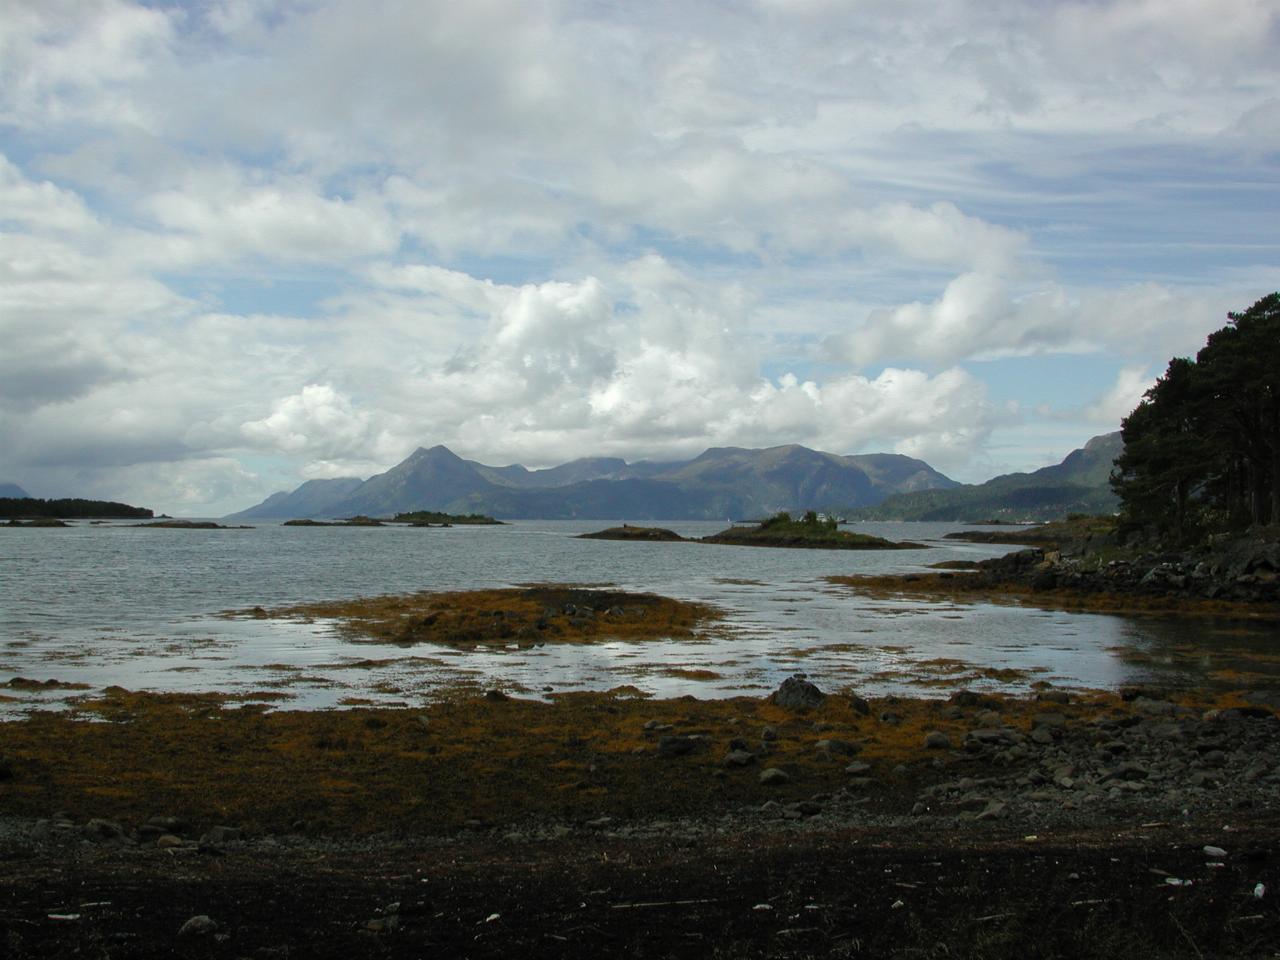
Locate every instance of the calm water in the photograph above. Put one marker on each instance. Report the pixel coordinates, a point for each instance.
(111, 604)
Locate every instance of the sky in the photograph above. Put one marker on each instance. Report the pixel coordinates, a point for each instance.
(247, 243)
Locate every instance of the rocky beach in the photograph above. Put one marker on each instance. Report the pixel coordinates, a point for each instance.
(804, 824)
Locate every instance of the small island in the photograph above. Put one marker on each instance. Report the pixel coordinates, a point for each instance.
(428, 518)
(521, 617)
(349, 522)
(417, 518)
(172, 524)
(627, 532)
(810, 532)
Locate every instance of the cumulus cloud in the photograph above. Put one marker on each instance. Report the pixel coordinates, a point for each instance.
(318, 234)
(317, 421)
(1118, 402)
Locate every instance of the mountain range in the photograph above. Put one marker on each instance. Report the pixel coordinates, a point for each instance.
(1079, 484)
(13, 491)
(723, 482)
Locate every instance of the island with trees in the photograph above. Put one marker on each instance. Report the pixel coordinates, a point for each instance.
(811, 531)
(34, 508)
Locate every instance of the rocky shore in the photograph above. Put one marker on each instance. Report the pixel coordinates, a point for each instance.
(1236, 577)
(1088, 558)
(794, 825)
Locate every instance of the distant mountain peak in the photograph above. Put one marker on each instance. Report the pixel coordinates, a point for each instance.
(719, 482)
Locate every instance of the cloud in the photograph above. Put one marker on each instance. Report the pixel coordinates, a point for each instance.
(1120, 401)
(220, 216)
(979, 316)
(317, 421)
(65, 60)
(318, 234)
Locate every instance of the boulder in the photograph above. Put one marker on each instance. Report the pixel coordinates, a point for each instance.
(797, 693)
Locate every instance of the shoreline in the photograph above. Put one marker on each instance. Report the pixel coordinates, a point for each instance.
(1087, 824)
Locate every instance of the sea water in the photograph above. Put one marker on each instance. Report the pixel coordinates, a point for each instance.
(117, 604)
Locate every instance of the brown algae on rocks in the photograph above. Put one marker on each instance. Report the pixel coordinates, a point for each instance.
(492, 758)
(501, 618)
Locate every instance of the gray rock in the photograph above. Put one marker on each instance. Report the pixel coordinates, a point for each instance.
(988, 737)
(739, 758)
(221, 835)
(769, 733)
(99, 830)
(772, 777)
(1202, 778)
(937, 740)
(678, 746)
(1214, 758)
(805, 808)
(797, 693)
(1054, 721)
(858, 768)
(992, 811)
(198, 926)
